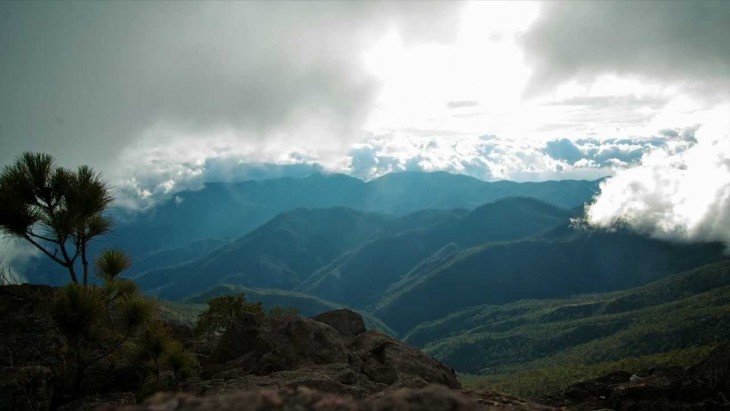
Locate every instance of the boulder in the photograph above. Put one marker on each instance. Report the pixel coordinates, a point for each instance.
(264, 345)
(257, 352)
(346, 322)
(389, 361)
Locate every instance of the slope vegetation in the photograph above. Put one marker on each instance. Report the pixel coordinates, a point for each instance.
(684, 310)
(578, 262)
(362, 276)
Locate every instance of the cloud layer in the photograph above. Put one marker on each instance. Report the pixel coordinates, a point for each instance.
(677, 194)
(683, 43)
(84, 80)
(158, 172)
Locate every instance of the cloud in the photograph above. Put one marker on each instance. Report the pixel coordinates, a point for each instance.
(155, 172)
(675, 193)
(462, 104)
(563, 149)
(14, 255)
(494, 158)
(680, 42)
(84, 80)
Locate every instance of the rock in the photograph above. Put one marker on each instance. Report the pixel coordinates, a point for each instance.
(389, 361)
(657, 388)
(261, 346)
(488, 399)
(25, 388)
(588, 392)
(337, 378)
(95, 402)
(431, 398)
(346, 322)
(257, 352)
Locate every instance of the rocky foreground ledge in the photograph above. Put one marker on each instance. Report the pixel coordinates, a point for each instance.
(329, 362)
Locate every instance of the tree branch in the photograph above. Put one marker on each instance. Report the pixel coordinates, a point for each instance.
(40, 237)
(46, 252)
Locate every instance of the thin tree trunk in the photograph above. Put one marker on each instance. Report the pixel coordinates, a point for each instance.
(69, 263)
(84, 261)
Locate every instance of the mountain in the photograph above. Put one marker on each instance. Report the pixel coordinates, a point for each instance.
(689, 309)
(574, 262)
(174, 256)
(360, 277)
(226, 211)
(279, 254)
(230, 210)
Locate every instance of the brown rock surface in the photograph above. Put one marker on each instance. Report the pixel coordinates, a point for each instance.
(346, 322)
(256, 345)
(255, 352)
(429, 398)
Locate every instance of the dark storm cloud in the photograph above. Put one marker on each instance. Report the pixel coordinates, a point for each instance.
(683, 42)
(82, 79)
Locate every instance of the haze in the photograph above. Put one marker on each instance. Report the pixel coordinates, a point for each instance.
(163, 96)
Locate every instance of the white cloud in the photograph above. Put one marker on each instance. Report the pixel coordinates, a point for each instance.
(14, 255)
(676, 192)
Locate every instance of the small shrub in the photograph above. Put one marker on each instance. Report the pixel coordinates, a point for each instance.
(222, 311)
(281, 312)
(180, 361)
(114, 322)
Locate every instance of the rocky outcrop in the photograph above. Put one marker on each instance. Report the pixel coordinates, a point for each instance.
(334, 355)
(346, 322)
(429, 398)
(389, 361)
(702, 387)
(256, 345)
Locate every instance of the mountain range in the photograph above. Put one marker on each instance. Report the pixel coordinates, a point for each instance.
(485, 276)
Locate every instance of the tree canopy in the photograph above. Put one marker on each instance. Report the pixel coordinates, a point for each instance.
(57, 210)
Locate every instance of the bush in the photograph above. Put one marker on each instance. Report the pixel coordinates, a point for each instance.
(114, 322)
(280, 312)
(222, 311)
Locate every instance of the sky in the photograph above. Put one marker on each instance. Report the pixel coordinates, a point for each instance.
(162, 96)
